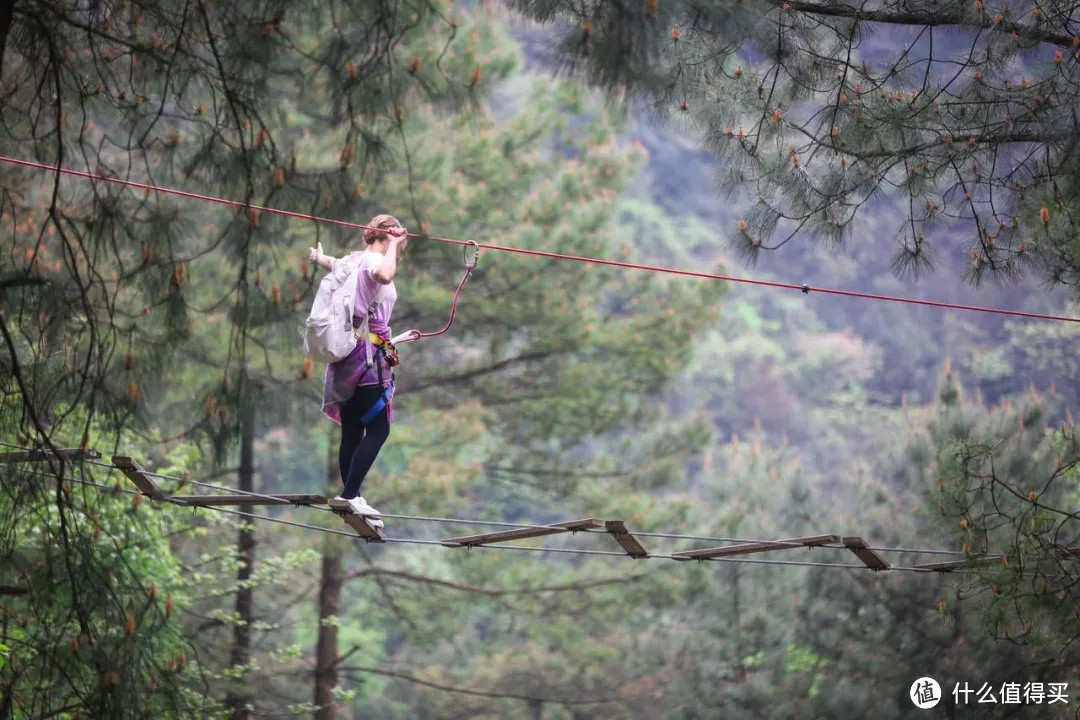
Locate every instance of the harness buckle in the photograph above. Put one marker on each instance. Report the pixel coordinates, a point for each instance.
(390, 353)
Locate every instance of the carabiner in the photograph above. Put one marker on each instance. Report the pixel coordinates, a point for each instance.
(469, 265)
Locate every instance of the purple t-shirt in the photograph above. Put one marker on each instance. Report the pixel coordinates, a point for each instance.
(345, 375)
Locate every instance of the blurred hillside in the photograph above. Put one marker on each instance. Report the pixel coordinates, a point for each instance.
(993, 354)
(699, 413)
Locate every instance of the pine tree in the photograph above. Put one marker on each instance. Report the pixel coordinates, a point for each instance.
(100, 277)
(1004, 482)
(91, 597)
(186, 316)
(109, 291)
(960, 116)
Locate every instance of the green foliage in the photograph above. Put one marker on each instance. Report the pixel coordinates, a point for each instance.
(226, 291)
(1004, 483)
(821, 117)
(564, 390)
(93, 626)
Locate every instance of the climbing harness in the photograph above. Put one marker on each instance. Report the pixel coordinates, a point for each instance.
(380, 404)
(387, 389)
(470, 265)
(388, 349)
(363, 332)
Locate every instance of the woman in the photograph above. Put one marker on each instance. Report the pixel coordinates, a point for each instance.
(354, 388)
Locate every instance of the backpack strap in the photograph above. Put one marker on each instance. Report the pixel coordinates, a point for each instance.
(384, 396)
(363, 330)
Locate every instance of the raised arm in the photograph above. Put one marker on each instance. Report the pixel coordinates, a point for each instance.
(384, 272)
(317, 256)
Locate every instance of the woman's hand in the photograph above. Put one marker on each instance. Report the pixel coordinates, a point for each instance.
(399, 239)
(316, 256)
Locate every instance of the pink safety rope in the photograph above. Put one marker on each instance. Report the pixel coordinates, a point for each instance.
(543, 253)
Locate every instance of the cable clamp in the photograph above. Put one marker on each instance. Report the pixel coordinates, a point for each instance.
(470, 264)
(806, 289)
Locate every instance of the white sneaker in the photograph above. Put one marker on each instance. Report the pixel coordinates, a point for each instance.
(360, 506)
(372, 516)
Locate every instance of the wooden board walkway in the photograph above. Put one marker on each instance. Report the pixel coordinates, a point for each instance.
(630, 543)
(624, 537)
(521, 533)
(356, 522)
(855, 544)
(270, 499)
(68, 454)
(756, 547)
(950, 565)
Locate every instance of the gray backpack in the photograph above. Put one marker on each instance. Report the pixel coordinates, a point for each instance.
(328, 331)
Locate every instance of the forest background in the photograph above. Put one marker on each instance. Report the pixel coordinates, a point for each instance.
(166, 329)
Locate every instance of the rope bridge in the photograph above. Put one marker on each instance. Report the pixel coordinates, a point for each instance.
(629, 541)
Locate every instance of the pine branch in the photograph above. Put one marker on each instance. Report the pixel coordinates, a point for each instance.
(987, 139)
(494, 592)
(931, 19)
(477, 693)
(20, 280)
(486, 370)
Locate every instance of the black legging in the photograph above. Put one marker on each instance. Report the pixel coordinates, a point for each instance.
(360, 445)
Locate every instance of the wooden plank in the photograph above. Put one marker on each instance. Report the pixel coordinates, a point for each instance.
(755, 547)
(624, 537)
(69, 454)
(280, 499)
(357, 523)
(522, 533)
(869, 558)
(950, 565)
(135, 472)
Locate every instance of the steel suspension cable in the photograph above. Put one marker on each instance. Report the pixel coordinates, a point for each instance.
(525, 548)
(495, 523)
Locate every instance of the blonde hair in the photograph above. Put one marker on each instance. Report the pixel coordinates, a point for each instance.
(384, 222)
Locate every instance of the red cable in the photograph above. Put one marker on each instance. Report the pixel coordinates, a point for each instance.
(552, 255)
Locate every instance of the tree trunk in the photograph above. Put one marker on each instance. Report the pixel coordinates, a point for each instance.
(237, 700)
(736, 610)
(7, 12)
(326, 651)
